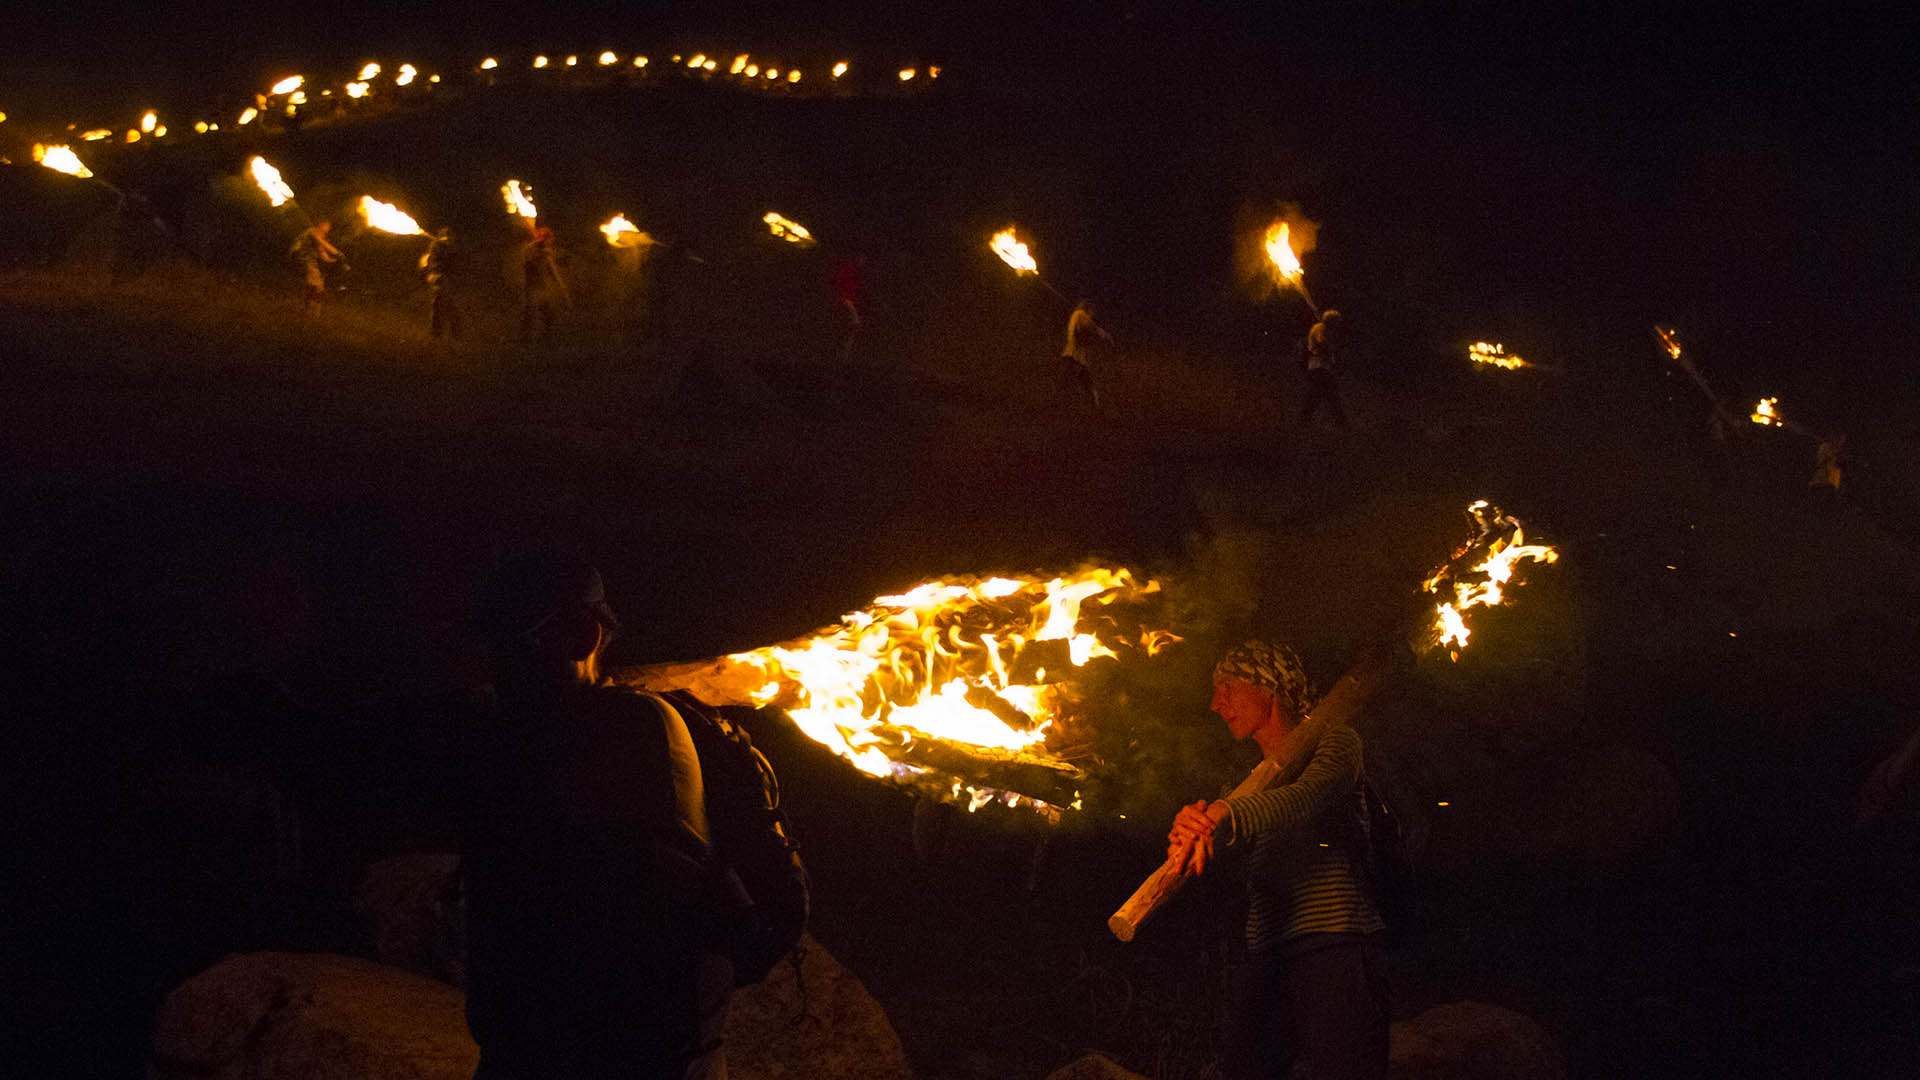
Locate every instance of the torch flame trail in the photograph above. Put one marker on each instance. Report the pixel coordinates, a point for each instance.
(787, 229)
(1493, 354)
(268, 178)
(518, 201)
(388, 218)
(1013, 252)
(1506, 547)
(951, 671)
(61, 159)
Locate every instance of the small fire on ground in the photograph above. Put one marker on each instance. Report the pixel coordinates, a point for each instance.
(1494, 354)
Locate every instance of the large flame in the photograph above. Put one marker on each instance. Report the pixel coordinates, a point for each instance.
(61, 159)
(518, 201)
(1767, 411)
(1013, 252)
(1493, 354)
(986, 667)
(787, 229)
(1483, 584)
(1279, 248)
(269, 180)
(389, 218)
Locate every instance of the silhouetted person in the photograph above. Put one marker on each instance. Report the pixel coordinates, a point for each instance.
(542, 289)
(1313, 989)
(314, 253)
(441, 265)
(849, 286)
(587, 861)
(1076, 354)
(1323, 346)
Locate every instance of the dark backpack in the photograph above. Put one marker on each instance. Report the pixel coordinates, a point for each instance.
(764, 882)
(1396, 887)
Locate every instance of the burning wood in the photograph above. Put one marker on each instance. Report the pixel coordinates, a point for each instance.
(963, 688)
(268, 179)
(519, 202)
(388, 218)
(787, 229)
(1475, 574)
(61, 159)
(1011, 250)
(1493, 354)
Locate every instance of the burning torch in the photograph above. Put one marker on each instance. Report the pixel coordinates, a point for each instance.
(1670, 341)
(62, 159)
(1014, 253)
(267, 179)
(1477, 575)
(1287, 271)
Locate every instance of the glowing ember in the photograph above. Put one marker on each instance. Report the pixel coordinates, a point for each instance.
(298, 97)
(489, 64)
(787, 229)
(149, 121)
(1279, 247)
(268, 177)
(539, 61)
(573, 61)
(709, 65)
(933, 72)
(607, 59)
(288, 85)
(640, 61)
(793, 76)
(753, 71)
(839, 69)
(1767, 411)
(407, 72)
(369, 72)
(518, 201)
(956, 662)
(96, 135)
(133, 135)
(1494, 355)
(358, 89)
(699, 60)
(906, 74)
(739, 65)
(1493, 573)
(1013, 252)
(388, 218)
(247, 116)
(1669, 338)
(61, 159)
(201, 127)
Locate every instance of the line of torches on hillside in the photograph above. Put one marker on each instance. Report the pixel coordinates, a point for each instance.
(999, 672)
(291, 94)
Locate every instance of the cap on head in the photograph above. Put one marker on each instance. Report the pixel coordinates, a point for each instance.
(530, 592)
(1273, 669)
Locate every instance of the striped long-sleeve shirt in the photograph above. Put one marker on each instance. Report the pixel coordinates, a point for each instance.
(1306, 871)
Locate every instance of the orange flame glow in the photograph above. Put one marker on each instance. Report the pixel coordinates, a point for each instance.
(96, 135)
(358, 89)
(787, 229)
(622, 233)
(1013, 252)
(946, 662)
(489, 64)
(518, 201)
(247, 116)
(1670, 338)
(1279, 248)
(406, 75)
(61, 159)
(608, 59)
(1767, 412)
(268, 177)
(1495, 571)
(288, 85)
(1495, 355)
(839, 69)
(389, 218)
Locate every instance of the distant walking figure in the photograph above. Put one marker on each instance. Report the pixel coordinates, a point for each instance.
(1323, 343)
(313, 251)
(1077, 354)
(542, 289)
(440, 263)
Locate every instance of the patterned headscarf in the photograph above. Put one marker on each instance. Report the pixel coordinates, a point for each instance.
(1273, 668)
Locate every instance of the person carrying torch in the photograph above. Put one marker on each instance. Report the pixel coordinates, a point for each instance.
(314, 252)
(1076, 354)
(440, 265)
(543, 290)
(1313, 987)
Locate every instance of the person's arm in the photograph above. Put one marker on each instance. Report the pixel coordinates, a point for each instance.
(1329, 775)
